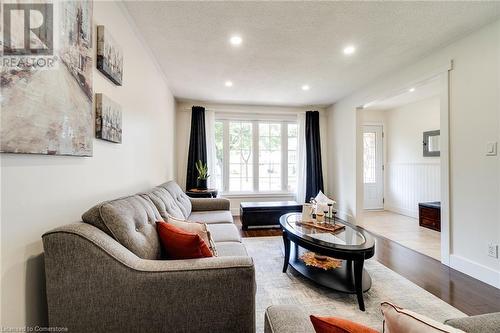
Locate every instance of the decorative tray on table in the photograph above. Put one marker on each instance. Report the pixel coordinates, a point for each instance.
(331, 227)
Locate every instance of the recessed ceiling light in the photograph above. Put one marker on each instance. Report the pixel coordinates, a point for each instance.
(228, 83)
(305, 87)
(235, 40)
(411, 90)
(348, 50)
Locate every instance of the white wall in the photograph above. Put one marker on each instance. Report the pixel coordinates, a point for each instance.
(183, 125)
(405, 126)
(341, 152)
(474, 120)
(43, 192)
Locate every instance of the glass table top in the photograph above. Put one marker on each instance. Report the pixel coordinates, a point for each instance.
(348, 236)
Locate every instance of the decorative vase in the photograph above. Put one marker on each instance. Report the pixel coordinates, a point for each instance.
(307, 211)
(202, 184)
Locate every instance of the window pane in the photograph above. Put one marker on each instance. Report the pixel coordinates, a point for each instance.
(275, 143)
(292, 130)
(292, 184)
(219, 152)
(264, 129)
(240, 156)
(292, 157)
(263, 142)
(270, 156)
(275, 129)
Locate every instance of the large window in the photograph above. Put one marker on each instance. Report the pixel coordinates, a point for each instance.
(256, 156)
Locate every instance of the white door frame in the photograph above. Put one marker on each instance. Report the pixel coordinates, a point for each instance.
(443, 73)
(380, 155)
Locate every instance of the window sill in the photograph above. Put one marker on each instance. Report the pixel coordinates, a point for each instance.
(256, 194)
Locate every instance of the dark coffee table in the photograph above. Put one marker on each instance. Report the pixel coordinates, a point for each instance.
(352, 245)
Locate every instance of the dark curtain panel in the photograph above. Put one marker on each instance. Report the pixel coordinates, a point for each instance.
(197, 145)
(314, 171)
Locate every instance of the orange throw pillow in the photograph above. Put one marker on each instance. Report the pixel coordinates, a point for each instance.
(338, 325)
(180, 244)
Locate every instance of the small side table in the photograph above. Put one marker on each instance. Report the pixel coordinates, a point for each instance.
(197, 193)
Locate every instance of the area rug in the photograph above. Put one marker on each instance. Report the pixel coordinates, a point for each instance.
(275, 287)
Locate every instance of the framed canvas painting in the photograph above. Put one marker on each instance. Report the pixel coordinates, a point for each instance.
(46, 87)
(108, 124)
(109, 56)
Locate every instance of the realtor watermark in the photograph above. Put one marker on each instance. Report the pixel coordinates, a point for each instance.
(28, 35)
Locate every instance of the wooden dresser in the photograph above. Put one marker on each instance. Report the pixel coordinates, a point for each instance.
(429, 215)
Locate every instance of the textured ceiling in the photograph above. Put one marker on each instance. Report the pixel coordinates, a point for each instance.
(289, 44)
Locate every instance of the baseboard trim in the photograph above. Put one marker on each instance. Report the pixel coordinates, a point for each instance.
(405, 212)
(475, 270)
(235, 211)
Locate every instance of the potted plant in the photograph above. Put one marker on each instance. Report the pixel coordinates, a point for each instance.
(202, 174)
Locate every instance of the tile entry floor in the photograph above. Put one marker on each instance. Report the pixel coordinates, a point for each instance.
(403, 230)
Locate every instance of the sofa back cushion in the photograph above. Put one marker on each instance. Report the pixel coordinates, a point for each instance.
(179, 196)
(131, 221)
(164, 202)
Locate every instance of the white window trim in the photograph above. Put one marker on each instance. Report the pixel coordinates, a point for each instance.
(284, 120)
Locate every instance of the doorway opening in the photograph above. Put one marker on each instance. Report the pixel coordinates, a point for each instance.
(400, 164)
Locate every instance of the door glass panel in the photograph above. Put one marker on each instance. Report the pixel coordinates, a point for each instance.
(369, 157)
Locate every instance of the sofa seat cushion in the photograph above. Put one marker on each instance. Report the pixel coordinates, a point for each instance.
(287, 319)
(231, 249)
(209, 217)
(164, 202)
(485, 323)
(131, 221)
(181, 199)
(224, 232)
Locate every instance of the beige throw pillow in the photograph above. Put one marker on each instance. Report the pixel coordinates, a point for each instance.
(398, 320)
(197, 228)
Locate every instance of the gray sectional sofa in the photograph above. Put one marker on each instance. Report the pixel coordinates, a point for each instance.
(106, 274)
(293, 319)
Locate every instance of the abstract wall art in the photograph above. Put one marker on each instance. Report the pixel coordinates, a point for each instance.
(46, 97)
(109, 56)
(108, 123)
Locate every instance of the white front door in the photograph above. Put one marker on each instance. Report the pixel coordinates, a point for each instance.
(373, 167)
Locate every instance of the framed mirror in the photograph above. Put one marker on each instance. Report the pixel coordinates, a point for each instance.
(431, 143)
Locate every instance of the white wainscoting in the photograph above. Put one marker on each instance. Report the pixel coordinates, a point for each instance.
(407, 184)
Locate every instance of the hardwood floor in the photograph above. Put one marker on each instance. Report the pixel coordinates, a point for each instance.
(469, 295)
